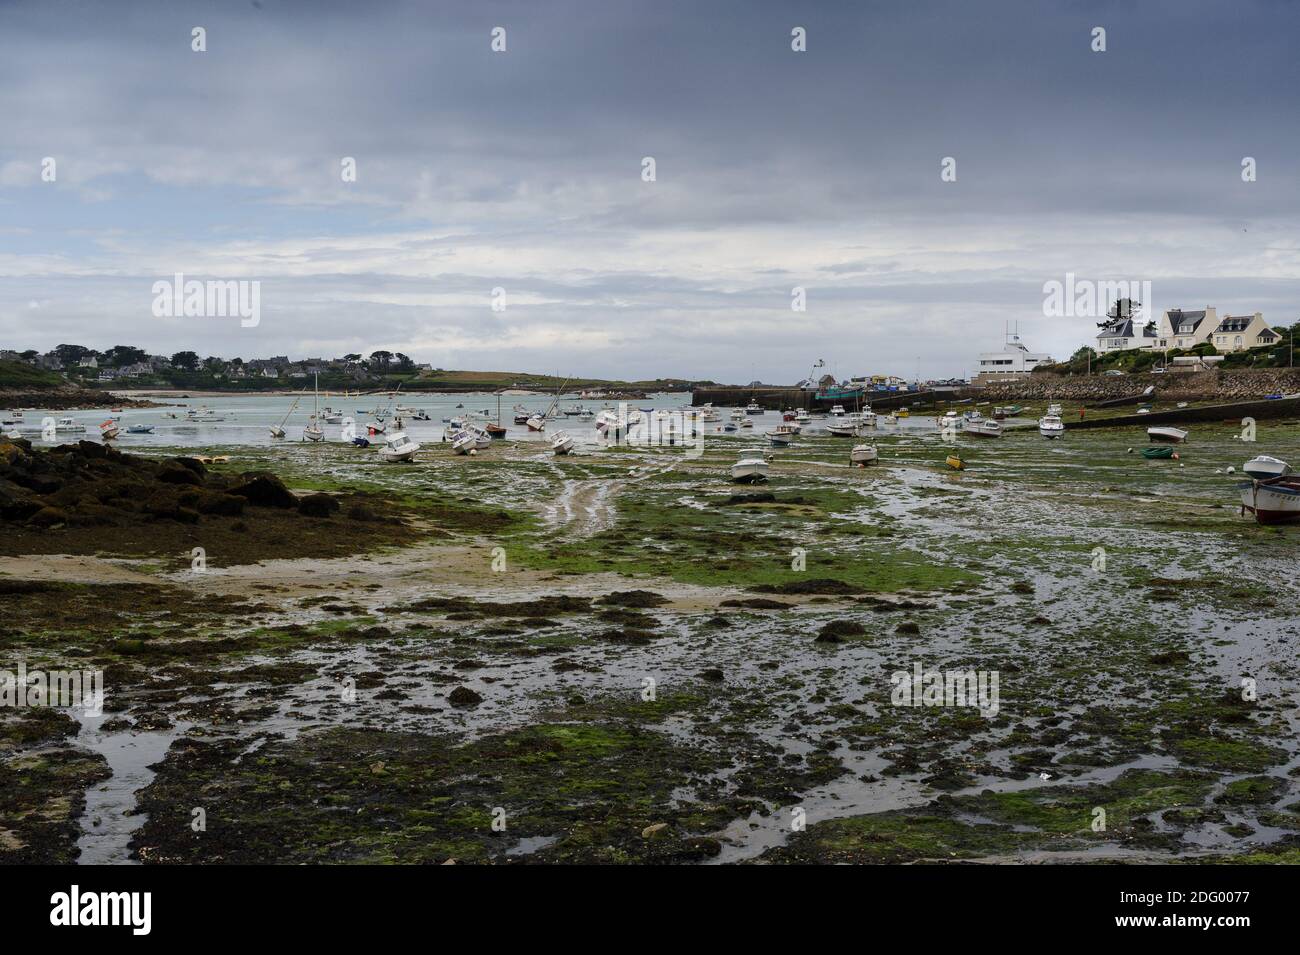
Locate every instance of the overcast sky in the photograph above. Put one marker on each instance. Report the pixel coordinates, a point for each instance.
(523, 170)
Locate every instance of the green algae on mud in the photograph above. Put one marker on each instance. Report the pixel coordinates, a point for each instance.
(374, 796)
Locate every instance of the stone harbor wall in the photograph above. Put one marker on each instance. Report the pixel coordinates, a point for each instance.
(1170, 386)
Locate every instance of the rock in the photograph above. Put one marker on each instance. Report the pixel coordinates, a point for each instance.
(633, 598)
(837, 630)
(173, 472)
(318, 505)
(907, 626)
(712, 675)
(264, 490)
(649, 832)
(463, 697)
(48, 517)
(225, 505)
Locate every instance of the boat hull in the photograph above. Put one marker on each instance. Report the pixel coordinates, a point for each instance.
(1172, 435)
(1272, 503)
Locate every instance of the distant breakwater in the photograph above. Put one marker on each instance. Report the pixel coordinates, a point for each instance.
(776, 398)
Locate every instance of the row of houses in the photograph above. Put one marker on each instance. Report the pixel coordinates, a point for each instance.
(1178, 328)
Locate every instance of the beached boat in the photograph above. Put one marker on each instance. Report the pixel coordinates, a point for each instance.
(1264, 468)
(1274, 501)
(954, 462)
(1155, 454)
(863, 454)
(782, 436)
(398, 447)
(984, 428)
(277, 431)
(1166, 434)
(610, 426)
(837, 411)
(313, 431)
(108, 430)
(140, 429)
(750, 469)
(1051, 426)
(562, 442)
(802, 416)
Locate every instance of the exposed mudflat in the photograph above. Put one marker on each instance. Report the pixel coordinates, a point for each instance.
(619, 656)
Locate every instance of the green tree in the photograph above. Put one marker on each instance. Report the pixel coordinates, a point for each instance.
(120, 355)
(186, 360)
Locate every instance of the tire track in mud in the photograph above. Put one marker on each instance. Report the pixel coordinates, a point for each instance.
(585, 506)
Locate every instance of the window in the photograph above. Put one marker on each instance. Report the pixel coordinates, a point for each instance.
(1238, 342)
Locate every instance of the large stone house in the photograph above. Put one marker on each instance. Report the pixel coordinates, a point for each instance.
(1183, 329)
(1240, 332)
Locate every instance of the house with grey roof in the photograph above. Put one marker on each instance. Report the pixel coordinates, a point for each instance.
(1240, 332)
(1122, 331)
(1186, 329)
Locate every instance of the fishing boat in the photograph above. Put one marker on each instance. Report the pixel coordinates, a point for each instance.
(751, 408)
(902, 413)
(68, 426)
(398, 447)
(750, 469)
(562, 442)
(863, 454)
(277, 431)
(140, 429)
(1175, 435)
(1272, 501)
(802, 416)
(737, 415)
(837, 411)
(984, 428)
(954, 462)
(108, 430)
(781, 436)
(747, 423)
(972, 416)
(313, 430)
(1156, 454)
(1051, 426)
(999, 414)
(1264, 468)
(729, 427)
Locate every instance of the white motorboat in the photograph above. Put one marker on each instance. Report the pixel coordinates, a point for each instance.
(837, 411)
(737, 414)
(469, 439)
(398, 447)
(950, 421)
(750, 469)
(753, 408)
(863, 454)
(610, 426)
(1175, 435)
(536, 422)
(1264, 467)
(1051, 426)
(68, 426)
(562, 442)
(140, 429)
(984, 428)
(802, 416)
(1274, 501)
(781, 436)
(1054, 409)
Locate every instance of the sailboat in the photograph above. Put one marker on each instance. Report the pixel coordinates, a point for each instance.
(277, 431)
(313, 430)
(497, 430)
(538, 421)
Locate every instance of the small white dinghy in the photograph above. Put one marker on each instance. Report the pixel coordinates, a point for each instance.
(1175, 435)
(398, 447)
(1264, 467)
(1051, 426)
(562, 443)
(863, 454)
(751, 468)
